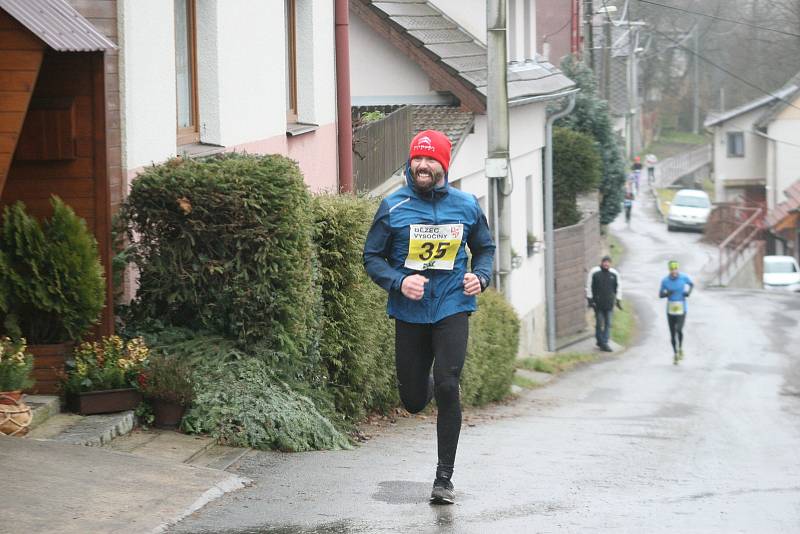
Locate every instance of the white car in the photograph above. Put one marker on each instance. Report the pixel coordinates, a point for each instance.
(689, 209)
(782, 273)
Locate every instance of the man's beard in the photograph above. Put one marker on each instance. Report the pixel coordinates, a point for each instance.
(427, 187)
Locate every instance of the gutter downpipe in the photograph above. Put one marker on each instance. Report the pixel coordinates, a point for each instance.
(549, 233)
(498, 140)
(343, 108)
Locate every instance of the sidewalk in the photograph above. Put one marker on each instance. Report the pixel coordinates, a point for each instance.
(58, 487)
(80, 474)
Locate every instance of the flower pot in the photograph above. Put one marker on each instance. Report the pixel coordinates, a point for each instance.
(107, 401)
(15, 418)
(10, 397)
(48, 365)
(167, 414)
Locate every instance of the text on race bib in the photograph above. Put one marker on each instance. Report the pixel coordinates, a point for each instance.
(433, 246)
(675, 308)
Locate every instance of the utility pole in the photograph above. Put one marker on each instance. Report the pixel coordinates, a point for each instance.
(607, 45)
(589, 6)
(696, 83)
(498, 140)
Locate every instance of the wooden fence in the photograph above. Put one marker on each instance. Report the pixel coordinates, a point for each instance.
(380, 148)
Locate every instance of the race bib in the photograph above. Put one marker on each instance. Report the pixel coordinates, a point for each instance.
(433, 246)
(675, 308)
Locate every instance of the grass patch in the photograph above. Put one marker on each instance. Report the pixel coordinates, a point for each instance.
(615, 249)
(622, 325)
(524, 382)
(557, 363)
(708, 187)
(672, 142)
(665, 197)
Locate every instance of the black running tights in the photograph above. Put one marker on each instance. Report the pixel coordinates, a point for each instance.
(442, 345)
(676, 330)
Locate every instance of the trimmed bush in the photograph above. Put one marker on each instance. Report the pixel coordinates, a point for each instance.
(224, 246)
(491, 351)
(576, 169)
(54, 281)
(357, 337)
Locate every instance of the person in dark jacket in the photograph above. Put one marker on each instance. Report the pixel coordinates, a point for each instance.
(416, 251)
(603, 292)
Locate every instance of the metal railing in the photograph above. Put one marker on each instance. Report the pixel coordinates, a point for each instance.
(733, 248)
(671, 169)
(380, 148)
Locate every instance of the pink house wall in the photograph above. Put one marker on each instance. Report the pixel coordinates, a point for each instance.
(315, 152)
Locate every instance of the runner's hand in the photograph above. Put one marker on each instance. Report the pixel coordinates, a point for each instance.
(619, 305)
(472, 285)
(413, 287)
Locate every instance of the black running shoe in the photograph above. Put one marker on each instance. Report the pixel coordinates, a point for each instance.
(443, 492)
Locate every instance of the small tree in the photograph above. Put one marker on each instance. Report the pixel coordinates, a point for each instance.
(591, 117)
(576, 169)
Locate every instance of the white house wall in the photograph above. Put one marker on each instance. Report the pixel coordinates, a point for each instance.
(147, 81)
(241, 49)
(526, 132)
(379, 72)
(784, 154)
(751, 167)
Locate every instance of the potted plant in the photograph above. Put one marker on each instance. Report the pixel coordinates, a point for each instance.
(102, 376)
(51, 285)
(15, 369)
(15, 375)
(167, 385)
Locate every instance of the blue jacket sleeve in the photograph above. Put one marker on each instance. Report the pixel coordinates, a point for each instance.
(481, 245)
(377, 249)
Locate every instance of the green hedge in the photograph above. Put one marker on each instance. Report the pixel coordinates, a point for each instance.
(491, 351)
(288, 338)
(225, 246)
(357, 337)
(576, 169)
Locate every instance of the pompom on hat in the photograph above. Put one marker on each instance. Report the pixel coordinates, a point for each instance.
(433, 144)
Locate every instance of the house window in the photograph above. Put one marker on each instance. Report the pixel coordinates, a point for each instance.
(186, 72)
(735, 144)
(291, 60)
(529, 220)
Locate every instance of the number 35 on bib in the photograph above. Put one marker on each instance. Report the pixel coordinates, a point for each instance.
(433, 246)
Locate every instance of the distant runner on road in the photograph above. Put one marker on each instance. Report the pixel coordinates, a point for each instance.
(416, 251)
(676, 288)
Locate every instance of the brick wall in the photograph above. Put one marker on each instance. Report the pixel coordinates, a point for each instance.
(577, 249)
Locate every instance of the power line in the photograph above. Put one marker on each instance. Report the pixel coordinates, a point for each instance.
(726, 71)
(723, 19)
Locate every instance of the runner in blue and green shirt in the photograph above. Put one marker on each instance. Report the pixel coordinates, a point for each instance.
(676, 287)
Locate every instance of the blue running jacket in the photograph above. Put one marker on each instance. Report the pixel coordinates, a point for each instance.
(427, 234)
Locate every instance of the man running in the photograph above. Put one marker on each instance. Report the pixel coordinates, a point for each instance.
(603, 291)
(416, 251)
(676, 287)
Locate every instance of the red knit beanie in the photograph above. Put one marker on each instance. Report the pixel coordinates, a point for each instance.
(433, 144)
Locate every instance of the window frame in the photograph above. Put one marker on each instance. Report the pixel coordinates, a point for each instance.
(190, 134)
(730, 147)
(291, 59)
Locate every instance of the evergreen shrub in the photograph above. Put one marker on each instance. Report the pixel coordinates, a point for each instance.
(591, 116)
(239, 399)
(357, 337)
(54, 281)
(576, 169)
(491, 351)
(225, 246)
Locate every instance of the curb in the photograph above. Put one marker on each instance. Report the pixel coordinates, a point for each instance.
(97, 430)
(232, 483)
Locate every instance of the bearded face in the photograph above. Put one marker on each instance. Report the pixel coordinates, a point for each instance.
(426, 173)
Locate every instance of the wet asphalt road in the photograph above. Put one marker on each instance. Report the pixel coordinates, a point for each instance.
(629, 444)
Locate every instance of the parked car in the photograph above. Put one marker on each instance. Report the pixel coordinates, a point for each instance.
(781, 273)
(689, 209)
